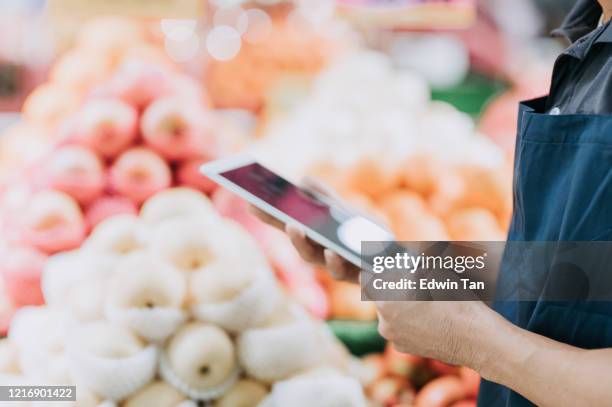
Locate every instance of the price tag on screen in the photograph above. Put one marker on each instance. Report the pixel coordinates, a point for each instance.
(410, 14)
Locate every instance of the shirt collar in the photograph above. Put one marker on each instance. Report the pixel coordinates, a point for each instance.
(582, 19)
(583, 45)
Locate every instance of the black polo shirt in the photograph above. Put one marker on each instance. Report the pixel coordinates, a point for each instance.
(582, 76)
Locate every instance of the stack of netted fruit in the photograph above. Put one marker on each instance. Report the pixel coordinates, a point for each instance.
(173, 306)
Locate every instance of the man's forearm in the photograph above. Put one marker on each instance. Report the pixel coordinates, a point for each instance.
(547, 372)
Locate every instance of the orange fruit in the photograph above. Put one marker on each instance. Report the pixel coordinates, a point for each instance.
(474, 224)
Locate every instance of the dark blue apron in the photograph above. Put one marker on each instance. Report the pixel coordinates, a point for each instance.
(562, 192)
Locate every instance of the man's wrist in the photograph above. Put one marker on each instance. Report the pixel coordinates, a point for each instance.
(475, 336)
(500, 349)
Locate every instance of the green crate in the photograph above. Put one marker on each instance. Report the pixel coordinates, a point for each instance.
(471, 95)
(360, 337)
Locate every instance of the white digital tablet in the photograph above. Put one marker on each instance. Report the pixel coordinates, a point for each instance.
(324, 222)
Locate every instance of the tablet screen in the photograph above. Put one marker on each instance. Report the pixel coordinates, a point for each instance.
(339, 226)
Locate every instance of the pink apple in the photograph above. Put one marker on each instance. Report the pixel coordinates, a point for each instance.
(53, 222)
(177, 128)
(76, 171)
(107, 126)
(139, 173)
(137, 83)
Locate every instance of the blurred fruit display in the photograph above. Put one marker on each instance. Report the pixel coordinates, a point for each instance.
(299, 278)
(159, 308)
(415, 15)
(145, 296)
(142, 129)
(138, 129)
(361, 106)
(278, 48)
(394, 379)
(425, 199)
(103, 46)
(419, 166)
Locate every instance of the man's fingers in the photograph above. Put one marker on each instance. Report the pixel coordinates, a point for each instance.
(312, 252)
(334, 265)
(339, 268)
(309, 250)
(264, 217)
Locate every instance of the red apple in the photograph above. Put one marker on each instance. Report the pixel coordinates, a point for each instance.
(440, 392)
(386, 391)
(107, 126)
(138, 174)
(50, 103)
(176, 128)
(76, 171)
(53, 222)
(405, 365)
(137, 83)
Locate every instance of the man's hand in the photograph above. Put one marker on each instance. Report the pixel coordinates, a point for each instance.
(310, 251)
(468, 333)
(443, 330)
